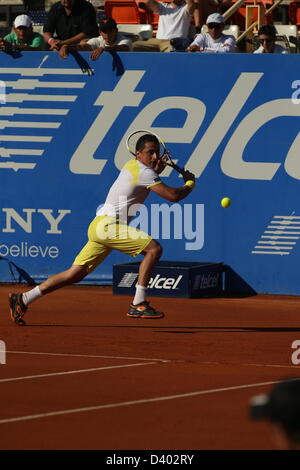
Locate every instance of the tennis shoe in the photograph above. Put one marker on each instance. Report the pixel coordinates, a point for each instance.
(143, 310)
(17, 309)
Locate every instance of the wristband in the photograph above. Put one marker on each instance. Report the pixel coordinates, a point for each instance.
(191, 184)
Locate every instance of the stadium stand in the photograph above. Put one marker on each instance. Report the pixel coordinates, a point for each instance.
(125, 11)
(136, 32)
(239, 17)
(9, 9)
(287, 34)
(294, 13)
(139, 22)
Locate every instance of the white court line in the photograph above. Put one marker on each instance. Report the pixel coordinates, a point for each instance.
(149, 359)
(78, 371)
(125, 358)
(249, 364)
(134, 402)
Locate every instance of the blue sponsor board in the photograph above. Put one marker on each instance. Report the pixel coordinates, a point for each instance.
(231, 119)
(172, 279)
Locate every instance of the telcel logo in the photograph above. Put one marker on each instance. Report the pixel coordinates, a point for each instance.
(158, 282)
(86, 160)
(203, 281)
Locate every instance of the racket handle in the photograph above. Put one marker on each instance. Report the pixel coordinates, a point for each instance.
(176, 167)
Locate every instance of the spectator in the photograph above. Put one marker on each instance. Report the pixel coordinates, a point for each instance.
(22, 38)
(214, 40)
(173, 26)
(281, 408)
(109, 40)
(72, 21)
(267, 40)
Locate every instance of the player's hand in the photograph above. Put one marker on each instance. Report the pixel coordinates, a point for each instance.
(96, 53)
(188, 176)
(63, 52)
(55, 45)
(3, 45)
(160, 166)
(194, 48)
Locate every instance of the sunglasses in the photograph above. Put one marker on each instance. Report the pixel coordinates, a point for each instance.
(214, 26)
(267, 40)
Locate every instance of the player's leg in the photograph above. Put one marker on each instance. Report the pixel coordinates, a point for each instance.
(19, 303)
(70, 276)
(151, 253)
(140, 307)
(165, 45)
(150, 45)
(92, 254)
(133, 242)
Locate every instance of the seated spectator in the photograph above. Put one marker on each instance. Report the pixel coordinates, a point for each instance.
(22, 38)
(173, 26)
(109, 40)
(71, 21)
(267, 40)
(214, 40)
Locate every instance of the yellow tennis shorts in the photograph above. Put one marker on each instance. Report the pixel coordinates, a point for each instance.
(105, 234)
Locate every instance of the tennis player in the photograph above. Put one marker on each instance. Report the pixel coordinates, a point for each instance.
(110, 231)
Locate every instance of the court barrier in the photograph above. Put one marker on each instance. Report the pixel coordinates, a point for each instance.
(172, 279)
(232, 119)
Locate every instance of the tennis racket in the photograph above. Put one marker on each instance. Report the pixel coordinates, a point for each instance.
(165, 155)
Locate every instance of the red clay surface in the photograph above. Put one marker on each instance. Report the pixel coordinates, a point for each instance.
(82, 375)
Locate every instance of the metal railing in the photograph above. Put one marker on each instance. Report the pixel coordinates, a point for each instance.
(237, 5)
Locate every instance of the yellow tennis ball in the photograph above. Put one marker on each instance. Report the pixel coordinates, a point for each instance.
(226, 202)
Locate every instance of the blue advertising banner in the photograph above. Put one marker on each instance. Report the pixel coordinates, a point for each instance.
(232, 119)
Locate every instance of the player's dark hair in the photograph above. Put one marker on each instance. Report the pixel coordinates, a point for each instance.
(107, 25)
(268, 30)
(141, 142)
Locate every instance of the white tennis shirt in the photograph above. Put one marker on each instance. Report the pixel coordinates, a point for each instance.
(225, 43)
(121, 40)
(277, 50)
(129, 191)
(173, 22)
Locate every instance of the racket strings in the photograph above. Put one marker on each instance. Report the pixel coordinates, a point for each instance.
(135, 136)
(164, 154)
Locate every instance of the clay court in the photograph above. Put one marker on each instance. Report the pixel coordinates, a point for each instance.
(81, 375)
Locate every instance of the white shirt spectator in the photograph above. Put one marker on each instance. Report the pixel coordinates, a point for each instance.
(121, 40)
(225, 43)
(173, 22)
(277, 50)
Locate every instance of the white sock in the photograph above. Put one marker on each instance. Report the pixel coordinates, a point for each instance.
(31, 295)
(140, 294)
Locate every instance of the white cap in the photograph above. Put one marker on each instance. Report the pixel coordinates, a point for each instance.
(22, 20)
(215, 18)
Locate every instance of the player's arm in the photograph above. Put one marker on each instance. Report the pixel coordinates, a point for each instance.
(197, 17)
(73, 40)
(5, 45)
(191, 6)
(175, 194)
(153, 5)
(117, 48)
(66, 48)
(197, 45)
